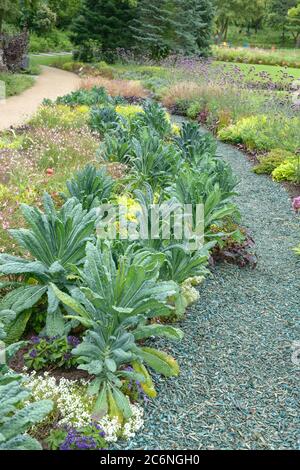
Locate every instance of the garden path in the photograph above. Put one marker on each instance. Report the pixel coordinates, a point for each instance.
(50, 84)
(238, 387)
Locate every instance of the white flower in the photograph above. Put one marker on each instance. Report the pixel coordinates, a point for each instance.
(74, 406)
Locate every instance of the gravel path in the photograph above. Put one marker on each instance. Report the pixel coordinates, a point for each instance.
(50, 84)
(238, 387)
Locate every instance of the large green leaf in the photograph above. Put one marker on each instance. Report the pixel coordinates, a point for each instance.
(159, 361)
(22, 298)
(166, 331)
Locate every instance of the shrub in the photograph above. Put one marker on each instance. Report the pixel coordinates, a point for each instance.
(288, 171)
(264, 132)
(54, 41)
(272, 160)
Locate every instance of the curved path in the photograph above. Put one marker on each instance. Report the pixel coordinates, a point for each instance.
(50, 84)
(238, 387)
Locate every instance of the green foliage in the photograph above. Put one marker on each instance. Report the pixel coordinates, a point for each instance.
(47, 352)
(242, 12)
(105, 120)
(96, 96)
(288, 171)
(57, 438)
(56, 241)
(115, 305)
(102, 26)
(272, 160)
(15, 418)
(114, 149)
(15, 83)
(277, 14)
(262, 132)
(156, 117)
(205, 187)
(91, 187)
(152, 162)
(173, 26)
(195, 145)
(182, 263)
(53, 41)
(294, 22)
(61, 116)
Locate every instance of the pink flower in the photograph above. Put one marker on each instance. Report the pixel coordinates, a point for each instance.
(296, 204)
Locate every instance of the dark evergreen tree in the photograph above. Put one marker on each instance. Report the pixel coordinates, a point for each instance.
(201, 24)
(164, 26)
(154, 27)
(105, 23)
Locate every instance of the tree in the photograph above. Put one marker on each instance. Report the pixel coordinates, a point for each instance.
(104, 22)
(201, 19)
(294, 23)
(65, 10)
(9, 9)
(163, 26)
(278, 14)
(239, 12)
(154, 28)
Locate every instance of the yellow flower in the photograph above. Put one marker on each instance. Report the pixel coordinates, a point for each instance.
(175, 129)
(129, 111)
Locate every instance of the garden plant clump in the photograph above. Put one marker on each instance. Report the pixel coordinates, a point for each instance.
(95, 306)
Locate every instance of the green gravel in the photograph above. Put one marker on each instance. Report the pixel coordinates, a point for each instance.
(238, 387)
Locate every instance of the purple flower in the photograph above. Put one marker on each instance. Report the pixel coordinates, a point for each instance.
(35, 340)
(73, 341)
(75, 441)
(33, 353)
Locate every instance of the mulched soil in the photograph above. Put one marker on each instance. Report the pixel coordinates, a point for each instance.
(238, 387)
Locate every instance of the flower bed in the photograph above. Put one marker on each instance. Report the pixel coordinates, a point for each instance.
(97, 305)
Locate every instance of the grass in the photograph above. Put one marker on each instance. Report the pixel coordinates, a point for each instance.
(16, 83)
(254, 71)
(50, 60)
(281, 57)
(265, 38)
(125, 88)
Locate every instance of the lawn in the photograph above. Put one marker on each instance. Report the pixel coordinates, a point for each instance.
(51, 60)
(281, 57)
(256, 72)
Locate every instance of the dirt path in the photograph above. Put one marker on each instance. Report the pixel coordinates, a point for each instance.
(50, 84)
